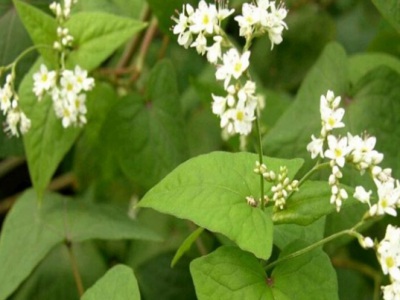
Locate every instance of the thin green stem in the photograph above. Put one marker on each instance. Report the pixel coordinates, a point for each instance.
(316, 168)
(334, 236)
(75, 270)
(260, 158)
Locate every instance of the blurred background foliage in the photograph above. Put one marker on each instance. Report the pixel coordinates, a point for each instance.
(99, 166)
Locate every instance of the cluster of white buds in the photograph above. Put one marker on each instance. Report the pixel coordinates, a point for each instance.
(15, 119)
(262, 17)
(62, 14)
(197, 27)
(357, 151)
(67, 90)
(282, 187)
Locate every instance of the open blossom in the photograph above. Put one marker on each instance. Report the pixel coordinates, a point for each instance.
(43, 80)
(234, 65)
(392, 291)
(389, 198)
(363, 154)
(388, 252)
(262, 17)
(338, 150)
(316, 147)
(362, 195)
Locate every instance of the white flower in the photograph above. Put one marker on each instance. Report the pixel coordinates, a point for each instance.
(392, 291)
(219, 104)
(43, 80)
(12, 120)
(362, 195)
(69, 115)
(389, 252)
(316, 147)
(25, 123)
(5, 98)
(332, 118)
(69, 84)
(205, 18)
(214, 52)
(243, 118)
(366, 242)
(200, 43)
(338, 150)
(82, 80)
(234, 65)
(389, 196)
(250, 16)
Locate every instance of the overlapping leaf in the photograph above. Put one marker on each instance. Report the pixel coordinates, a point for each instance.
(148, 130)
(229, 273)
(211, 191)
(30, 232)
(119, 283)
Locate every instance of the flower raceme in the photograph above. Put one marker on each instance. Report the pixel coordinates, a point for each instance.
(67, 90)
(196, 27)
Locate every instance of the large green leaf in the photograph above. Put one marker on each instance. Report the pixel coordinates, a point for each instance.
(41, 27)
(292, 132)
(211, 191)
(47, 142)
(149, 131)
(230, 273)
(309, 276)
(30, 232)
(390, 9)
(97, 35)
(130, 8)
(119, 283)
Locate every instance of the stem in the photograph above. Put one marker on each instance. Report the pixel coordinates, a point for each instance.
(75, 270)
(260, 157)
(148, 37)
(351, 231)
(134, 43)
(317, 167)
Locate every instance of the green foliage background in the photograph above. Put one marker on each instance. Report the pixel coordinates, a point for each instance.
(151, 135)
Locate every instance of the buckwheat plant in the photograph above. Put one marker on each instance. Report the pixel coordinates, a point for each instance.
(65, 87)
(358, 152)
(201, 28)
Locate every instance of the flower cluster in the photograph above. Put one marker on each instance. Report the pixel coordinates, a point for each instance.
(282, 186)
(260, 18)
(65, 87)
(16, 121)
(62, 13)
(67, 92)
(388, 252)
(359, 152)
(196, 27)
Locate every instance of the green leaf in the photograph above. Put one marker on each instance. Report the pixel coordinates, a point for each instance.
(149, 131)
(229, 273)
(119, 283)
(157, 280)
(375, 107)
(130, 8)
(308, 276)
(289, 139)
(41, 27)
(47, 142)
(361, 64)
(53, 277)
(390, 9)
(218, 184)
(30, 232)
(185, 246)
(97, 35)
(310, 203)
